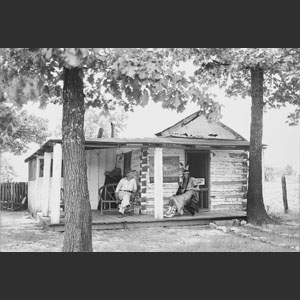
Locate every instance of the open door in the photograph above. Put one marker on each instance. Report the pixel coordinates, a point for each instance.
(127, 161)
(199, 166)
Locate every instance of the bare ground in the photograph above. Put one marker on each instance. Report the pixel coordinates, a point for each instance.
(19, 232)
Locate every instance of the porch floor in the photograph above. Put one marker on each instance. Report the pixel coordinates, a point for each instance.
(112, 221)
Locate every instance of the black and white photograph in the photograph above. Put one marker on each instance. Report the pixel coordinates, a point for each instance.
(149, 150)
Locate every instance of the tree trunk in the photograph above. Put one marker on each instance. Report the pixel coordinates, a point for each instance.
(256, 212)
(78, 219)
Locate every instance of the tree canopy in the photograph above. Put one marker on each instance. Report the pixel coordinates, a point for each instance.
(112, 77)
(95, 119)
(18, 128)
(230, 68)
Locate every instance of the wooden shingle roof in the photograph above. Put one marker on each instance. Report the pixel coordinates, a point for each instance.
(197, 126)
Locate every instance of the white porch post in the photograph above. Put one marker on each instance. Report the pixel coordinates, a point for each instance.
(46, 184)
(158, 184)
(56, 184)
(36, 188)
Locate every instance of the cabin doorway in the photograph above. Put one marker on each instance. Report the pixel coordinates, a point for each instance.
(199, 166)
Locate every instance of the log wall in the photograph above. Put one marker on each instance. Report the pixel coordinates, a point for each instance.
(228, 179)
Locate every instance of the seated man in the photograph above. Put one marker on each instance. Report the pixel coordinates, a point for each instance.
(126, 188)
(187, 197)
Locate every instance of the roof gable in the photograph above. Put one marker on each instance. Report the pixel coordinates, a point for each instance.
(198, 126)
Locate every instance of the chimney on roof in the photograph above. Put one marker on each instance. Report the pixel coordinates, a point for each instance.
(100, 133)
(112, 129)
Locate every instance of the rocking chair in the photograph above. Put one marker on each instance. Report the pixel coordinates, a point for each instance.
(108, 202)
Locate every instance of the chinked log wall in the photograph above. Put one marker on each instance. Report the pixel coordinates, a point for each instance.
(228, 178)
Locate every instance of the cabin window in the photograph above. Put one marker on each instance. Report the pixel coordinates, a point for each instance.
(41, 170)
(32, 170)
(51, 167)
(170, 169)
(127, 161)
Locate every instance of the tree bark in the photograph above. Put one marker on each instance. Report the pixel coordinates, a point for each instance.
(78, 219)
(256, 212)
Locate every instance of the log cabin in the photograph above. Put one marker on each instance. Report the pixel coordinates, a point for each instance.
(215, 154)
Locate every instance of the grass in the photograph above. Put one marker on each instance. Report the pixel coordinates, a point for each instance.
(21, 233)
(272, 192)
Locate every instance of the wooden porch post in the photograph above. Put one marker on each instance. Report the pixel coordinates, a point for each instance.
(36, 187)
(46, 184)
(56, 184)
(158, 184)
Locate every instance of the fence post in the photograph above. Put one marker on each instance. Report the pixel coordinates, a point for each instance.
(284, 194)
(11, 196)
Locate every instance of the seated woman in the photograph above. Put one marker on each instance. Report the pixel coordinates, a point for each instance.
(190, 196)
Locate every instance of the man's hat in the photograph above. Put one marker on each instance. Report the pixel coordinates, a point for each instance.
(186, 169)
(129, 171)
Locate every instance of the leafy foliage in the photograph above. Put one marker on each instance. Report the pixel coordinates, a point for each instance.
(122, 77)
(229, 68)
(18, 129)
(271, 172)
(95, 119)
(7, 172)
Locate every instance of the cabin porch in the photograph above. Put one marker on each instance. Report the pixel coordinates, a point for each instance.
(111, 221)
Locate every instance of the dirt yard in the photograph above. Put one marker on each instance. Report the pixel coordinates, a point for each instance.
(21, 233)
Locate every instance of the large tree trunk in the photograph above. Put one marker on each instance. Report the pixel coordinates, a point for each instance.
(78, 220)
(256, 212)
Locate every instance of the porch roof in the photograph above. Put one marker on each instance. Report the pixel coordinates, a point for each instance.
(186, 143)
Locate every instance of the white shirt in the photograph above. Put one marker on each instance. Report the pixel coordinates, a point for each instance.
(127, 185)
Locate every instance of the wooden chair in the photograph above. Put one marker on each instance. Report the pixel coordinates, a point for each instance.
(107, 198)
(62, 200)
(108, 202)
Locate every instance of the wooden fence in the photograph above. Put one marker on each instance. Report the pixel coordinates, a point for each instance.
(13, 195)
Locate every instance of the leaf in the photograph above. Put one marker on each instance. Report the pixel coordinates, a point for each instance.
(48, 53)
(84, 52)
(145, 98)
(130, 71)
(71, 58)
(176, 100)
(142, 75)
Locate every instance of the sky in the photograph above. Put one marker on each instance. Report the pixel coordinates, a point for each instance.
(282, 140)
